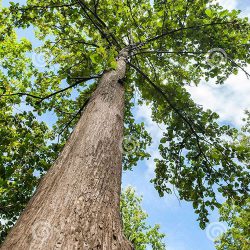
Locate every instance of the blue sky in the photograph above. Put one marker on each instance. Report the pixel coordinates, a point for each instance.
(177, 219)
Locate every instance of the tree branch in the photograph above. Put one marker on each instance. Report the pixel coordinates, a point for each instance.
(76, 42)
(74, 117)
(81, 79)
(103, 34)
(41, 99)
(168, 52)
(178, 112)
(84, 6)
(183, 28)
(159, 90)
(237, 65)
(47, 7)
(22, 94)
(189, 52)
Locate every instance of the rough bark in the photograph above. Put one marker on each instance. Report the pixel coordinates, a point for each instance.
(76, 205)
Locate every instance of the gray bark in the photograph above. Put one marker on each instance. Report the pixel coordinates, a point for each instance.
(76, 205)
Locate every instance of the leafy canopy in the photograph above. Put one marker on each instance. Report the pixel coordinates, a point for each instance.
(134, 223)
(237, 236)
(167, 43)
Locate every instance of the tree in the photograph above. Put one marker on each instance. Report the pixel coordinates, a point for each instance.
(98, 54)
(237, 236)
(135, 225)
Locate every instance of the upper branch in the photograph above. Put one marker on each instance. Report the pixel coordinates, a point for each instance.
(103, 34)
(180, 29)
(237, 65)
(41, 99)
(159, 90)
(179, 113)
(22, 94)
(100, 23)
(168, 52)
(83, 79)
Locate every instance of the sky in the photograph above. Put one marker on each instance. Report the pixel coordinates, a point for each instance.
(177, 219)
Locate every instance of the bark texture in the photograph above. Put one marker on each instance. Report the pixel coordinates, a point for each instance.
(76, 205)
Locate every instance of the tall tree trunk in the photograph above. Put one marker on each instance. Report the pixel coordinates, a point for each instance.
(76, 205)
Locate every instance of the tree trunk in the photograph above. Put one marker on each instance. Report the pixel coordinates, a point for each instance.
(76, 205)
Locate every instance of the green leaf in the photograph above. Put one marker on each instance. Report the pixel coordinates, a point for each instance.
(209, 12)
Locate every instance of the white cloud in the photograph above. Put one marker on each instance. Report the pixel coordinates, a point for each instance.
(234, 4)
(228, 100)
(228, 4)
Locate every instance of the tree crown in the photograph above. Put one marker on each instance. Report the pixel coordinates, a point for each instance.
(171, 44)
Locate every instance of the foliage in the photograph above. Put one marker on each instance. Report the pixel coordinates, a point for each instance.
(24, 141)
(136, 138)
(237, 237)
(21, 134)
(168, 42)
(135, 225)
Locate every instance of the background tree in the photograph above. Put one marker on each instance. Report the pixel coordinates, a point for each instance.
(237, 235)
(23, 139)
(94, 52)
(135, 225)
(237, 217)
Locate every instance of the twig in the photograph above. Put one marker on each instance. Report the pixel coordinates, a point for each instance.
(71, 86)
